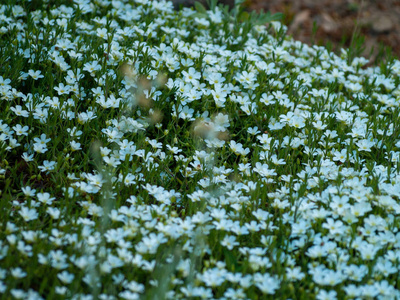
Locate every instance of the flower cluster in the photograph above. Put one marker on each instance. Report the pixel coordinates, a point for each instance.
(147, 152)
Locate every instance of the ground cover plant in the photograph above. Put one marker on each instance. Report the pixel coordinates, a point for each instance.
(149, 153)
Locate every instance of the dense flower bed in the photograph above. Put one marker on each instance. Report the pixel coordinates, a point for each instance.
(148, 153)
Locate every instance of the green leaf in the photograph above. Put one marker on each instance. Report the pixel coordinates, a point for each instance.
(264, 18)
(239, 2)
(244, 16)
(199, 15)
(200, 7)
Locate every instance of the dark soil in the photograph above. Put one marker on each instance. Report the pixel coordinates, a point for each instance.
(337, 23)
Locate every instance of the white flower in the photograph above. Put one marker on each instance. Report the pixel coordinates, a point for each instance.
(47, 166)
(35, 74)
(53, 212)
(28, 191)
(326, 295)
(19, 130)
(45, 198)
(75, 146)
(18, 273)
(19, 111)
(266, 283)
(229, 242)
(28, 214)
(65, 277)
(365, 145)
(264, 170)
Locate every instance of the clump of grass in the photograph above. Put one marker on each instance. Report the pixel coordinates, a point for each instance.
(148, 153)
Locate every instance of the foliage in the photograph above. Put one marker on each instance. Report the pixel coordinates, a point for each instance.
(147, 153)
